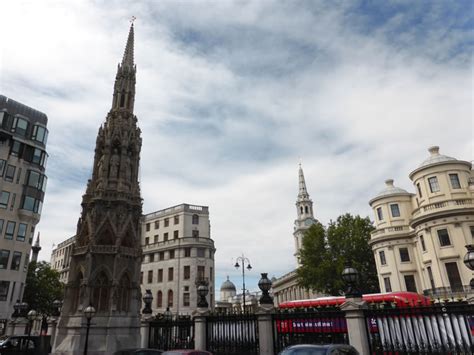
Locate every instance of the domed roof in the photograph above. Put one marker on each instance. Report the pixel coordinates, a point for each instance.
(228, 285)
(389, 190)
(435, 157)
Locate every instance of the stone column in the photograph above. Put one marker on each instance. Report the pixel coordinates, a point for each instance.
(356, 324)
(145, 331)
(200, 328)
(265, 329)
(52, 324)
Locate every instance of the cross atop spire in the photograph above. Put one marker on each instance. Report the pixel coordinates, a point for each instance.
(128, 54)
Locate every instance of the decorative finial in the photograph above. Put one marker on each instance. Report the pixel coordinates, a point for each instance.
(132, 20)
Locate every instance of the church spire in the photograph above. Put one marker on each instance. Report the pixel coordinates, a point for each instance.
(303, 193)
(127, 59)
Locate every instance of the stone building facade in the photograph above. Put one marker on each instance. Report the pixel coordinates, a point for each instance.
(61, 258)
(177, 252)
(23, 136)
(420, 238)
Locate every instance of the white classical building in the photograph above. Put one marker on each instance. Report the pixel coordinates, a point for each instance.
(420, 238)
(61, 258)
(286, 288)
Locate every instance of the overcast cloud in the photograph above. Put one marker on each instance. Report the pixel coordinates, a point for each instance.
(231, 94)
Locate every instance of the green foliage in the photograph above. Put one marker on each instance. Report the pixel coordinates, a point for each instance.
(325, 253)
(42, 287)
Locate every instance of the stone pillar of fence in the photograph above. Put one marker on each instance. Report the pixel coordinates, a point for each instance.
(200, 328)
(52, 324)
(145, 330)
(265, 329)
(356, 324)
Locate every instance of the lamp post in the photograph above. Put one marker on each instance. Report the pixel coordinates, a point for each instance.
(469, 261)
(31, 317)
(23, 308)
(57, 304)
(243, 260)
(202, 292)
(16, 308)
(265, 285)
(350, 276)
(147, 299)
(89, 312)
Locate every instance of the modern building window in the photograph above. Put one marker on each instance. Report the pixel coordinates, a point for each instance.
(40, 134)
(1, 226)
(157, 224)
(167, 222)
(187, 272)
(422, 242)
(21, 234)
(187, 252)
(383, 261)
(454, 179)
(195, 234)
(170, 298)
(387, 284)
(30, 203)
(171, 254)
(395, 210)
(4, 198)
(201, 252)
(19, 126)
(175, 234)
(150, 276)
(10, 173)
(165, 237)
(433, 182)
(160, 275)
(419, 189)
(161, 255)
(201, 272)
(195, 219)
(430, 277)
(176, 219)
(4, 286)
(453, 276)
(147, 226)
(159, 299)
(16, 261)
(410, 283)
(379, 213)
(16, 148)
(404, 255)
(170, 274)
(4, 256)
(3, 163)
(10, 230)
(186, 299)
(443, 237)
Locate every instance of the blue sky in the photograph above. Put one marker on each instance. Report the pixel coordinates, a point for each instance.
(232, 94)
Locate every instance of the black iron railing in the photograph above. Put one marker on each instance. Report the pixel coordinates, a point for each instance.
(438, 329)
(171, 334)
(448, 292)
(309, 326)
(232, 334)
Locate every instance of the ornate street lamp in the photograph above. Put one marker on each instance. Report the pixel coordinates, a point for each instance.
(147, 299)
(265, 285)
(89, 312)
(57, 304)
(23, 309)
(350, 276)
(243, 260)
(16, 308)
(167, 315)
(202, 292)
(469, 260)
(31, 317)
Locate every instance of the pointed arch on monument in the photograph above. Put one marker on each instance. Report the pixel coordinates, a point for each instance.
(124, 292)
(106, 233)
(129, 237)
(101, 285)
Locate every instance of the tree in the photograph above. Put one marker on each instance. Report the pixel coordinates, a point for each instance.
(325, 253)
(42, 287)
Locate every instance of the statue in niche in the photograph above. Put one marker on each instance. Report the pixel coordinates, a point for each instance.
(114, 164)
(128, 167)
(100, 167)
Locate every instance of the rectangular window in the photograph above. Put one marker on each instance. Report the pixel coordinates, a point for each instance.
(147, 227)
(387, 284)
(171, 254)
(430, 276)
(161, 255)
(404, 255)
(155, 238)
(453, 276)
(16, 261)
(443, 237)
(4, 256)
(433, 182)
(39, 134)
(187, 252)
(10, 230)
(410, 283)
(419, 189)
(383, 261)
(395, 210)
(379, 213)
(151, 258)
(4, 286)
(15, 149)
(20, 126)
(167, 222)
(454, 179)
(157, 224)
(186, 299)
(160, 275)
(195, 233)
(3, 163)
(187, 272)
(10, 173)
(176, 219)
(165, 237)
(1, 227)
(4, 198)
(147, 240)
(170, 274)
(21, 234)
(150, 276)
(422, 242)
(201, 272)
(175, 234)
(201, 252)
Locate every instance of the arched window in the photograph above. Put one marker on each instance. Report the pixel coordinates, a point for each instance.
(77, 292)
(301, 209)
(122, 99)
(124, 294)
(100, 293)
(170, 298)
(159, 299)
(306, 209)
(195, 219)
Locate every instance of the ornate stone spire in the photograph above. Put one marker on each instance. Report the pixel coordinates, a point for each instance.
(36, 249)
(303, 193)
(127, 59)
